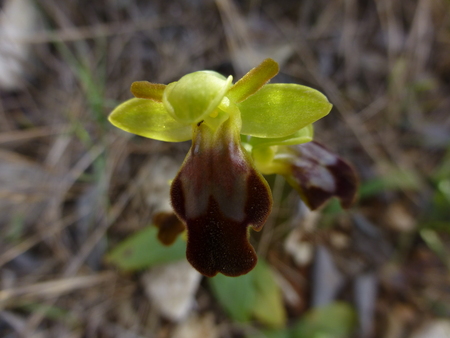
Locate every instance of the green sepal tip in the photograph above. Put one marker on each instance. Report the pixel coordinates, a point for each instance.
(251, 82)
(150, 119)
(148, 90)
(279, 110)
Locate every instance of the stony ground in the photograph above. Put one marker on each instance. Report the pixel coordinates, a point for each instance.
(72, 187)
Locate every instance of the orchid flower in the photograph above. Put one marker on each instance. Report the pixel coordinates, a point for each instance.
(239, 132)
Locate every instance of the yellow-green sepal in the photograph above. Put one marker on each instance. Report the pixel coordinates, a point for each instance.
(148, 90)
(278, 110)
(302, 136)
(253, 81)
(150, 119)
(195, 96)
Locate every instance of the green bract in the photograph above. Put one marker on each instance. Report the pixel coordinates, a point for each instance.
(238, 132)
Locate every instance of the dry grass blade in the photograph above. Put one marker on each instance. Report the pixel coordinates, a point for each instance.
(93, 32)
(54, 288)
(28, 243)
(26, 135)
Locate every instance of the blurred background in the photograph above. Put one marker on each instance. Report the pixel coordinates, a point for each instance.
(73, 189)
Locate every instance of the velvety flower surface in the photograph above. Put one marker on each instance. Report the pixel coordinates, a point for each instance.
(218, 193)
(238, 131)
(314, 171)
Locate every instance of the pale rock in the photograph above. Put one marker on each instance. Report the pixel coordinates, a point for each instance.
(365, 290)
(439, 328)
(398, 218)
(195, 327)
(327, 279)
(172, 288)
(157, 190)
(302, 252)
(18, 20)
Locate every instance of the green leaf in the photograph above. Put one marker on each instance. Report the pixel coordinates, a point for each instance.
(279, 110)
(332, 208)
(302, 136)
(235, 294)
(195, 96)
(271, 333)
(148, 90)
(437, 214)
(437, 225)
(268, 307)
(253, 81)
(396, 179)
(255, 294)
(150, 119)
(436, 244)
(336, 320)
(51, 312)
(442, 171)
(143, 250)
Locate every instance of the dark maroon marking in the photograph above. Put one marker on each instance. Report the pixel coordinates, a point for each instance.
(314, 167)
(218, 194)
(258, 206)
(217, 244)
(177, 198)
(169, 227)
(347, 182)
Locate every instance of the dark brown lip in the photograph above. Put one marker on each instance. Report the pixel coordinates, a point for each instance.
(219, 194)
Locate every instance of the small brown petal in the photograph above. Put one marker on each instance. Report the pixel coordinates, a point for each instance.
(169, 226)
(318, 174)
(219, 194)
